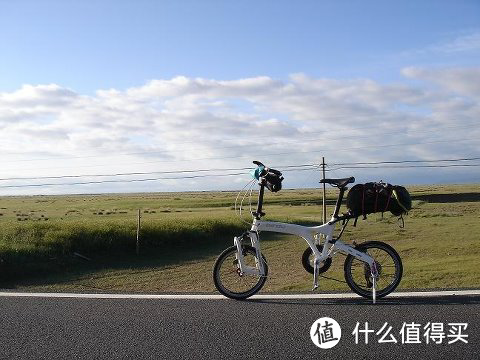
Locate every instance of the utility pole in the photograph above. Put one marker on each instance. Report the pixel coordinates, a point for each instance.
(324, 194)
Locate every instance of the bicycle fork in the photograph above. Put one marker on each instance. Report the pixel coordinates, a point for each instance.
(259, 268)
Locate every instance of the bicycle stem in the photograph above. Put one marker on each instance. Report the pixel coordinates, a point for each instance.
(258, 214)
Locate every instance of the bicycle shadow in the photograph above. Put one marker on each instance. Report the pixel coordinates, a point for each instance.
(407, 301)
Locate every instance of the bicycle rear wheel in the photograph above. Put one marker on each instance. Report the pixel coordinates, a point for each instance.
(389, 267)
(227, 277)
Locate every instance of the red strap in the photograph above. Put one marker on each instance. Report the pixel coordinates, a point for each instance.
(363, 201)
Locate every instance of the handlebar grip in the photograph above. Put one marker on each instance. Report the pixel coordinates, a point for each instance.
(276, 172)
(258, 163)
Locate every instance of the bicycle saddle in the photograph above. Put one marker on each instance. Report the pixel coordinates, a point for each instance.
(338, 182)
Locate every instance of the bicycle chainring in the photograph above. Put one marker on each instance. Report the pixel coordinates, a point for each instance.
(307, 263)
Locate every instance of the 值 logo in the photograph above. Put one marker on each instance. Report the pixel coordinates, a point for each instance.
(325, 333)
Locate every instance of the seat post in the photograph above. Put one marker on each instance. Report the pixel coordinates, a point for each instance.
(339, 201)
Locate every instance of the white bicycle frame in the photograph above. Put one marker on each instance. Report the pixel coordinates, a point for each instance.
(309, 234)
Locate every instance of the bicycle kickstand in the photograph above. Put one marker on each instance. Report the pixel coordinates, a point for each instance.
(374, 273)
(374, 291)
(316, 272)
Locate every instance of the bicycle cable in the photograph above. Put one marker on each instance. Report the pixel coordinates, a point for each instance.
(238, 208)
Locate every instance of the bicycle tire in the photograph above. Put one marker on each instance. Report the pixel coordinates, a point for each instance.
(232, 273)
(360, 283)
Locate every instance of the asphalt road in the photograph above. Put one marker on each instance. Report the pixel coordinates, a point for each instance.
(70, 328)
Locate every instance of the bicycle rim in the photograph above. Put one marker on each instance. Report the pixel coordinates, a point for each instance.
(389, 266)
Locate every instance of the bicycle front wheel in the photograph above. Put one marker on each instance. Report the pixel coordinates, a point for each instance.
(389, 267)
(227, 277)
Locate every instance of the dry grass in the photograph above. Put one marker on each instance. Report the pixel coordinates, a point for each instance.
(439, 245)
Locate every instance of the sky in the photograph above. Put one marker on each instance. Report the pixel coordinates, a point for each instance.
(130, 96)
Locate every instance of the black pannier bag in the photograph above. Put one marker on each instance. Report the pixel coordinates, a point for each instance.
(274, 180)
(372, 197)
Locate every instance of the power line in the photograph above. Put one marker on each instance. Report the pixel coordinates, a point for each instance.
(305, 167)
(405, 161)
(118, 181)
(301, 167)
(137, 180)
(404, 166)
(343, 165)
(144, 173)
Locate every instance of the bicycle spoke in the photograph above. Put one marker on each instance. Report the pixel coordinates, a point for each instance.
(228, 278)
(358, 273)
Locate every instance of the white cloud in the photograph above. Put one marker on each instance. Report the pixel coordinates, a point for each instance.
(460, 48)
(39, 95)
(462, 43)
(462, 81)
(192, 123)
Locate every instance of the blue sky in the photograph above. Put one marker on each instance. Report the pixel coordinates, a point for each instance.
(90, 45)
(80, 79)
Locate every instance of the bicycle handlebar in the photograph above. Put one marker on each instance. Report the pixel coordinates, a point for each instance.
(266, 169)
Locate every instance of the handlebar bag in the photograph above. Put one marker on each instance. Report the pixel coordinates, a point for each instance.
(274, 180)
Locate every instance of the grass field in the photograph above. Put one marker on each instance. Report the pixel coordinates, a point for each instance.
(44, 239)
